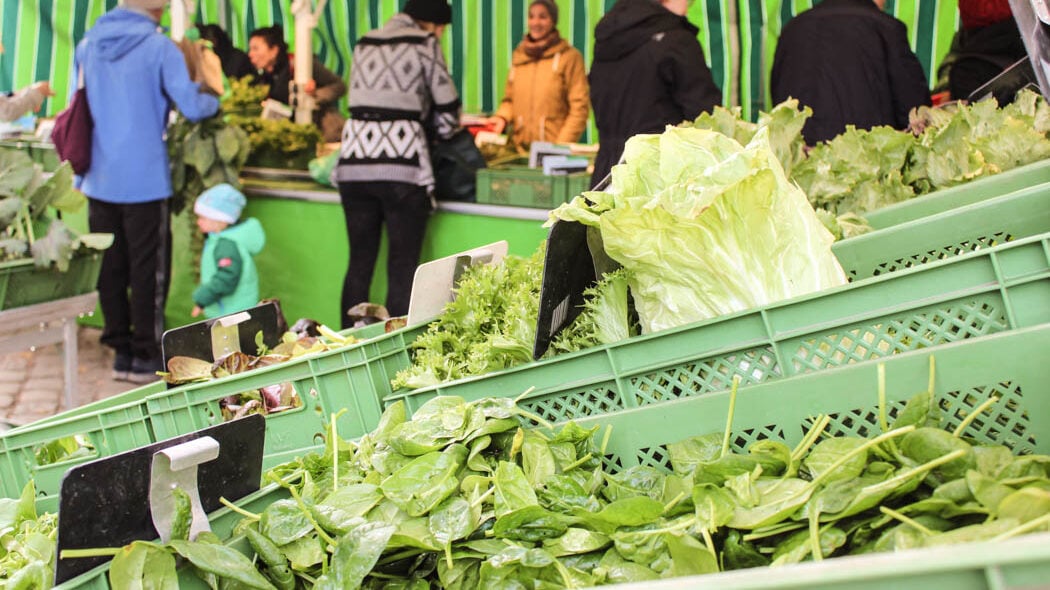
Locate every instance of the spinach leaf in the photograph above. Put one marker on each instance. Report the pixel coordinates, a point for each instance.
(690, 557)
(639, 480)
(714, 506)
(532, 524)
(537, 459)
(687, 454)
(419, 486)
(452, 520)
(576, 541)
(628, 512)
(222, 561)
(513, 490)
(355, 556)
(142, 565)
(827, 452)
(283, 522)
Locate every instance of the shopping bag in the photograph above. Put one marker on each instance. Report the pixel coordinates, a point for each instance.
(72, 132)
(456, 161)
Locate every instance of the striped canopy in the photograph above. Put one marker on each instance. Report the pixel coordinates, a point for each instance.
(738, 36)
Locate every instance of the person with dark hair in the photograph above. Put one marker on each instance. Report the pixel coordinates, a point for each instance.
(235, 63)
(648, 72)
(269, 54)
(400, 90)
(134, 75)
(851, 63)
(547, 96)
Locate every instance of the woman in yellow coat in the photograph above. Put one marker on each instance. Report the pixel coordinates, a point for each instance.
(547, 96)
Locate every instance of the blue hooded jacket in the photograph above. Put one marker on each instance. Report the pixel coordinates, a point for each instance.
(131, 70)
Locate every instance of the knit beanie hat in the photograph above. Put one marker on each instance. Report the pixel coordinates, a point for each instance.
(146, 4)
(221, 202)
(438, 12)
(551, 7)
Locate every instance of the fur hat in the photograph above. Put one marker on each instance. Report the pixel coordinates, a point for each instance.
(438, 12)
(551, 7)
(146, 4)
(221, 202)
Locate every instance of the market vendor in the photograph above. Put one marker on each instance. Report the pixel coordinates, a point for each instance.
(851, 63)
(269, 55)
(547, 95)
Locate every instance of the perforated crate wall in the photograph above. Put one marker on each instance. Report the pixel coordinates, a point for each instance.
(966, 375)
(967, 297)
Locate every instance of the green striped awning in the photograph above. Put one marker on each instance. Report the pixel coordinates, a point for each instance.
(738, 37)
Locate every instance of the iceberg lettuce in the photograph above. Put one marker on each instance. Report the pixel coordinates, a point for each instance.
(706, 226)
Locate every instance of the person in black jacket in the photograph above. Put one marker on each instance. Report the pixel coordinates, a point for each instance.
(269, 53)
(851, 63)
(235, 63)
(648, 72)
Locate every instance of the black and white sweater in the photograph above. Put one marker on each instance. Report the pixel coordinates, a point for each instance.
(400, 89)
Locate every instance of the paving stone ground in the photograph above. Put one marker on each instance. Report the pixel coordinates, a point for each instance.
(32, 381)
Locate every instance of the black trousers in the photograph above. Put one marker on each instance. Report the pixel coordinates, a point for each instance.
(133, 284)
(405, 209)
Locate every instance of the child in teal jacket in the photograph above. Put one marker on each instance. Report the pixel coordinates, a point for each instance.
(229, 281)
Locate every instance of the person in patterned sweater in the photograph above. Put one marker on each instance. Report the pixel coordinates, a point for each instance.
(401, 94)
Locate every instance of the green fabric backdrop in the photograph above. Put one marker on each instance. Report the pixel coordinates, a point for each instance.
(39, 37)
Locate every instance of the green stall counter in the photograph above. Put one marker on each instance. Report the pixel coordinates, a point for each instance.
(306, 253)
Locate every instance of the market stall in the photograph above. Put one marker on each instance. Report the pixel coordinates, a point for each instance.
(749, 363)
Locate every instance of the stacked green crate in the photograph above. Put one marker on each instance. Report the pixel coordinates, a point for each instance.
(967, 374)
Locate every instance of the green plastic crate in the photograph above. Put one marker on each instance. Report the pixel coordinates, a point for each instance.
(968, 296)
(967, 373)
(113, 431)
(522, 186)
(353, 377)
(140, 393)
(964, 194)
(22, 283)
(937, 237)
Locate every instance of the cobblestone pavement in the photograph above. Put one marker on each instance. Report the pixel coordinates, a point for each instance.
(32, 382)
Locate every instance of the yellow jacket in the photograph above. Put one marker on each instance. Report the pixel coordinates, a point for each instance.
(546, 99)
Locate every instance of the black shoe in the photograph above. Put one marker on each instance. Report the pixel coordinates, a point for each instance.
(144, 370)
(122, 366)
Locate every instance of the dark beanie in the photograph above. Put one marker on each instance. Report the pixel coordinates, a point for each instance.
(551, 7)
(432, 11)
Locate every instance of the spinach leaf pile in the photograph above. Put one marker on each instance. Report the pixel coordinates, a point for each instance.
(469, 495)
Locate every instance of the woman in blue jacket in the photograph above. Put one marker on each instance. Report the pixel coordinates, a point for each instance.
(133, 73)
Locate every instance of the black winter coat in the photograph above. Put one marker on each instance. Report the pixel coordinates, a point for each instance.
(648, 72)
(851, 63)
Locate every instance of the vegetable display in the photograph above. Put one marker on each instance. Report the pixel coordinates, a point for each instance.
(471, 495)
(27, 226)
(265, 400)
(491, 325)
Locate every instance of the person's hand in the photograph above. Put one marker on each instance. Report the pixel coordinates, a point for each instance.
(310, 87)
(497, 123)
(43, 88)
(197, 311)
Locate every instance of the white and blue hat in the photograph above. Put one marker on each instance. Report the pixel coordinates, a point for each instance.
(221, 202)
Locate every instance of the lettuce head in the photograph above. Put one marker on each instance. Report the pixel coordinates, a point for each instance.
(706, 226)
